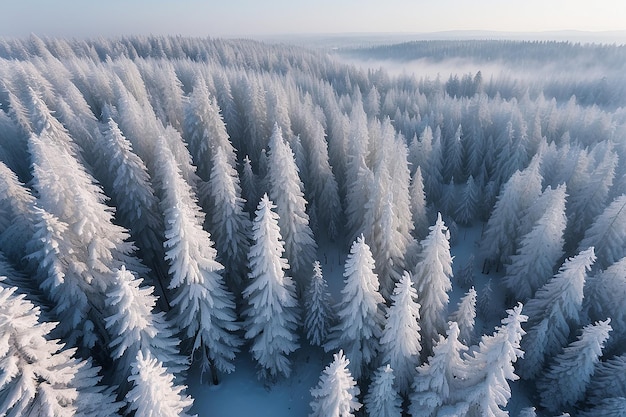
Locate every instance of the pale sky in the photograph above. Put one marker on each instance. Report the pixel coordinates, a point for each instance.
(88, 18)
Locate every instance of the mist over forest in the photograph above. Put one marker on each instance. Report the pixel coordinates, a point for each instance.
(169, 206)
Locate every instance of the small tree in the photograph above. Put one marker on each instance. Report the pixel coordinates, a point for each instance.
(154, 392)
(383, 400)
(336, 393)
(318, 314)
(465, 316)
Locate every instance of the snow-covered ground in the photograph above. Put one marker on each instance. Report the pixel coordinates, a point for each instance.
(241, 394)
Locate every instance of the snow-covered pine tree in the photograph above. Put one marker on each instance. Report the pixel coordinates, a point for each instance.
(564, 383)
(400, 341)
(432, 280)
(204, 308)
(382, 399)
(485, 390)
(286, 190)
(465, 275)
(517, 194)
(204, 129)
(229, 223)
(604, 293)
(271, 317)
(437, 377)
(608, 380)
(154, 392)
(607, 234)
(553, 312)
(95, 245)
(249, 186)
(465, 316)
(468, 205)
(418, 205)
(16, 208)
(127, 181)
(360, 311)
(39, 377)
(318, 313)
(135, 327)
(336, 393)
(539, 250)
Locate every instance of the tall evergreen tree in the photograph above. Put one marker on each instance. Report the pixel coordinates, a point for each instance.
(418, 205)
(432, 280)
(436, 378)
(286, 190)
(400, 341)
(271, 317)
(134, 326)
(564, 383)
(553, 312)
(360, 310)
(204, 308)
(465, 316)
(229, 223)
(538, 250)
(607, 234)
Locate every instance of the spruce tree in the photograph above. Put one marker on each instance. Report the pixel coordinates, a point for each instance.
(400, 341)
(432, 280)
(318, 313)
(336, 393)
(360, 311)
(271, 316)
(382, 399)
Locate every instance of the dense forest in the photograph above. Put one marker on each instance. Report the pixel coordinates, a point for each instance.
(165, 203)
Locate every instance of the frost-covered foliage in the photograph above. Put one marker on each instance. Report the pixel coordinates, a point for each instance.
(382, 399)
(271, 315)
(154, 391)
(336, 393)
(39, 377)
(432, 280)
(169, 143)
(318, 312)
(360, 310)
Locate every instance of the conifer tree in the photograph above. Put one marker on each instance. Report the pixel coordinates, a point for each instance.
(608, 380)
(360, 312)
(432, 280)
(154, 391)
(539, 250)
(485, 390)
(229, 223)
(336, 393)
(607, 234)
(553, 312)
(418, 205)
(382, 398)
(603, 295)
(400, 341)
(436, 378)
(135, 327)
(271, 317)
(564, 383)
(606, 407)
(468, 205)
(518, 193)
(465, 316)
(318, 313)
(39, 377)
(205, 309)
(286, 190)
